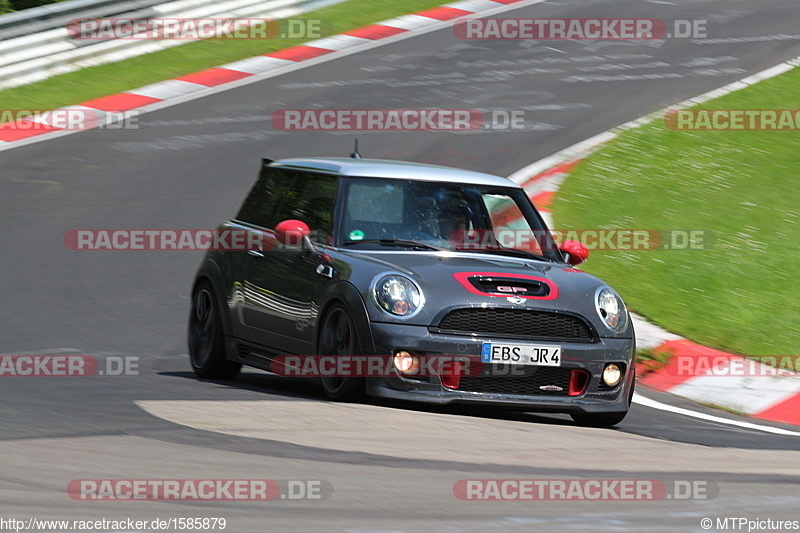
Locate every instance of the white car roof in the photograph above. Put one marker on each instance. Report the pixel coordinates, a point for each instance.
(384, 168)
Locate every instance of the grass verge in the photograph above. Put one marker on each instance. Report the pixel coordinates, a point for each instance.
(111, 78)
(739, 295)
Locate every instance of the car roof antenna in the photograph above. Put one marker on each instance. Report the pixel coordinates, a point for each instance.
(355, 154)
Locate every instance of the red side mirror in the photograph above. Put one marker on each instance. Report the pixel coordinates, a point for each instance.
(291, 232)
(578, 253)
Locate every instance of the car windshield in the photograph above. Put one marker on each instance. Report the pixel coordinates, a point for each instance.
(433, 215)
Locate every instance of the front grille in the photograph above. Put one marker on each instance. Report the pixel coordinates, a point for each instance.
(522, 323)
(527, 383)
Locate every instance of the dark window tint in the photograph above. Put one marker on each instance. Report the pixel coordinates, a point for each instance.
(283, 194)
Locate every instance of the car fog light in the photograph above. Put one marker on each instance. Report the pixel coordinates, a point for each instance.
(611, 375)
(406, 363)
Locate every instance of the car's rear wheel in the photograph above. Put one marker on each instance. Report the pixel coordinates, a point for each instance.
(605, 420)
(206, 343)
(338, 338)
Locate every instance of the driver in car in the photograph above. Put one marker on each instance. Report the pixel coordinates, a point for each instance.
(442, 218)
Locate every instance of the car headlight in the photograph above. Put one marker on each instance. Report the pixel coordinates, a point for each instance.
(611, 309)
(398, 295)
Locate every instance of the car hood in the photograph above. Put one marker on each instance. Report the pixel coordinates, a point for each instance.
(442, 278)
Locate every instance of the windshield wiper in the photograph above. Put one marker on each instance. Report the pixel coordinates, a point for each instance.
(396, 242)
(508, 251)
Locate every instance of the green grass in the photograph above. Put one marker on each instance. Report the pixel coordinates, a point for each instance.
(7, 6)
(652, 359)
(112, 78)
(742, 294)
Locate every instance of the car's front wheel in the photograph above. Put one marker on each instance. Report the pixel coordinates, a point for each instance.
(206, 343)
(338, 338)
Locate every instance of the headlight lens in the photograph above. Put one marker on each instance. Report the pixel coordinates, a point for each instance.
(611, 309)
(398, 295)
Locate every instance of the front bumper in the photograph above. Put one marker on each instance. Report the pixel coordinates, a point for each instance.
(590, 357)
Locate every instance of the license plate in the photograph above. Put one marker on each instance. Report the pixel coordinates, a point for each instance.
(521, 354)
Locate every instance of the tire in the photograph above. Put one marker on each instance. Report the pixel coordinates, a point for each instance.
(605, 420)
(338, 337)
(206, 342)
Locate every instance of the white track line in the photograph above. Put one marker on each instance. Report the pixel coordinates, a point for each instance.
(647, 402)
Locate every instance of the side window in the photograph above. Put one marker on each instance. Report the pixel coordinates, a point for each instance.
(262, 201)
(310, 199)
(504, 212)
(509, 226)
(282, 194)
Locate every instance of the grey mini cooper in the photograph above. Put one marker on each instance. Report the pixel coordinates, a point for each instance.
(448, 278)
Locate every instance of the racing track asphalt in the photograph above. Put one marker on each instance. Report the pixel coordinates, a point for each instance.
(188, 166)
